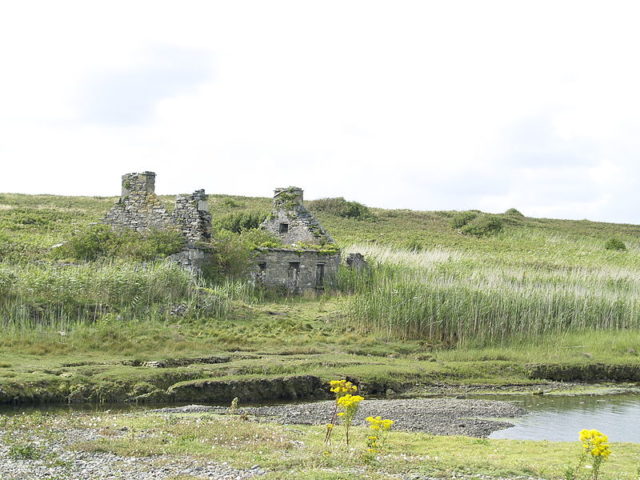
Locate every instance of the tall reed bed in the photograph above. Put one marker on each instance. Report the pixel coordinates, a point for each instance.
(54, 296)
(457, 298)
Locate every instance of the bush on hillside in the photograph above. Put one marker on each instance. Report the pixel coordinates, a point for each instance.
(341, 208)
(460, 219)
(483, 225)
(514, 213)
(512, 217)
(615, 244)
(230, 203)
(90, 244)
(21, 218)
(240, 221)
(148, 246)
(100, 241)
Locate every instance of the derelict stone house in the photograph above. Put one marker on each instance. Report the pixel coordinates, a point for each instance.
(140, 209)
(307, 261)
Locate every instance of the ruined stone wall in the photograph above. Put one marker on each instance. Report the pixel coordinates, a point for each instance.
(192, 217)
(191, 259)
(139, 208)
(296, 271)
(356, 261)
(292, 222)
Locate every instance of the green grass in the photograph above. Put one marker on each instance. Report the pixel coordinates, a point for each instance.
(460, 298)
(299, 451)
(437, 306)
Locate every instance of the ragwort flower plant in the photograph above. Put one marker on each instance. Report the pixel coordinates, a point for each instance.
(377, 437)
(349, 405)
(346, 406)
(595, 446)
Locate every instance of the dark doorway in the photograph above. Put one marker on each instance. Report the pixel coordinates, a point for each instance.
(293, 276)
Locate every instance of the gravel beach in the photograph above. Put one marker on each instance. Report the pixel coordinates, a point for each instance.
(437, 416)
(58, 460)
(440, 416)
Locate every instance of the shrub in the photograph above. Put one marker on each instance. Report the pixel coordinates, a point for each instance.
(19, 218)
(615, 244)
(483, 225)
(231, 257)
(147, 246)
(341, 208)
(100, 241)
(514, 213)
(230, 203)
(240, 221)
(460, 219)
(90, 244)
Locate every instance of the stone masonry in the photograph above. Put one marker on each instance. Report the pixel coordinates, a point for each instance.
(296, 271)
(192, 216)
(307, 261)
(298, 266)
(140, 209)
(292, 222)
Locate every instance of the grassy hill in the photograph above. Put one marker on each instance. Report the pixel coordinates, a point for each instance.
(444, 301)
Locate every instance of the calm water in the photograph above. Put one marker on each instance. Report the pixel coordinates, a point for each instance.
(561, 418)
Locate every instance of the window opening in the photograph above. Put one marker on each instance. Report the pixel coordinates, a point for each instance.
(320, 275)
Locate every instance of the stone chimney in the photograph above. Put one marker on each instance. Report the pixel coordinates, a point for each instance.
(138, 183)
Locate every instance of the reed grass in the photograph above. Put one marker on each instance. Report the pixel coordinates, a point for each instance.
(458, 298)
(49, 296)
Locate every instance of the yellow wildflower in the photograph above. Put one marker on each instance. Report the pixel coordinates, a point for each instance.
(378, 423)
(595, 443)
(349, 400)
(342, 387)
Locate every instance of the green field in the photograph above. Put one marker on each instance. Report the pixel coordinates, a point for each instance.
(438, 306)
(442, 309)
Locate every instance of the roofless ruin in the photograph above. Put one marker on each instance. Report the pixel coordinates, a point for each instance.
(307, 261)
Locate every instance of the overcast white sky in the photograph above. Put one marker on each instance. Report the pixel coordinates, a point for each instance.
(426, 105)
